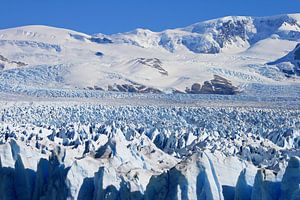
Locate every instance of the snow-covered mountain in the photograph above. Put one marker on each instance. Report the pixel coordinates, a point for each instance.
(238, 49)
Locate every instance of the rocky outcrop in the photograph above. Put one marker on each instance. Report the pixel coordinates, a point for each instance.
(100, 40)
(196, 87)
(133, 88)
(98, 53)
(218, 85)
(95, 88)
(154, 63)
(126, 87)
(5, 62)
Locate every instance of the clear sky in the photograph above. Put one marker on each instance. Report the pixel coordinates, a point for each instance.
(113, 16)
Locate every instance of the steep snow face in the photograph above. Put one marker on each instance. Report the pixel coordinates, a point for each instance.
(215, 36)
(228, 32)
(289, 64)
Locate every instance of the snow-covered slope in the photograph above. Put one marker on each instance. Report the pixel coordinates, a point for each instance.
(235, 48)
(289, 64)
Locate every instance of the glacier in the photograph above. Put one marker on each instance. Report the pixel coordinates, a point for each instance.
(88, 151)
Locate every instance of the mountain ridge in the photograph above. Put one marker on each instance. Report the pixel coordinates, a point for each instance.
(237, 48)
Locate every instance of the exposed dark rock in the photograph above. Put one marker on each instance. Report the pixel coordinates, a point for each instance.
(129, 88)
(223, 86)
(207, 88)
(95, 88)
(218, 85)
(18, 63)
(152, 62)
(196, 87)
(177, 92)
(98, 88)
(112, 89)
(188, 90)
(142, 87)
(151, 90)
(103, 40)
(78, 37)
(99, 53)
(230, 31)
(133, 88)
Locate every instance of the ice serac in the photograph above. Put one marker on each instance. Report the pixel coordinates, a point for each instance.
(207, 180)
(207, 185)
(42, 177)
(243, 188)
(291, 180)
(24, 180)
(266, 186)
(7, 188)
(193, 178)
(75, 179)
(56, 187)
(106, 184)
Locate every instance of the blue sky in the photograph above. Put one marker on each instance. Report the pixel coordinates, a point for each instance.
(113, 16)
